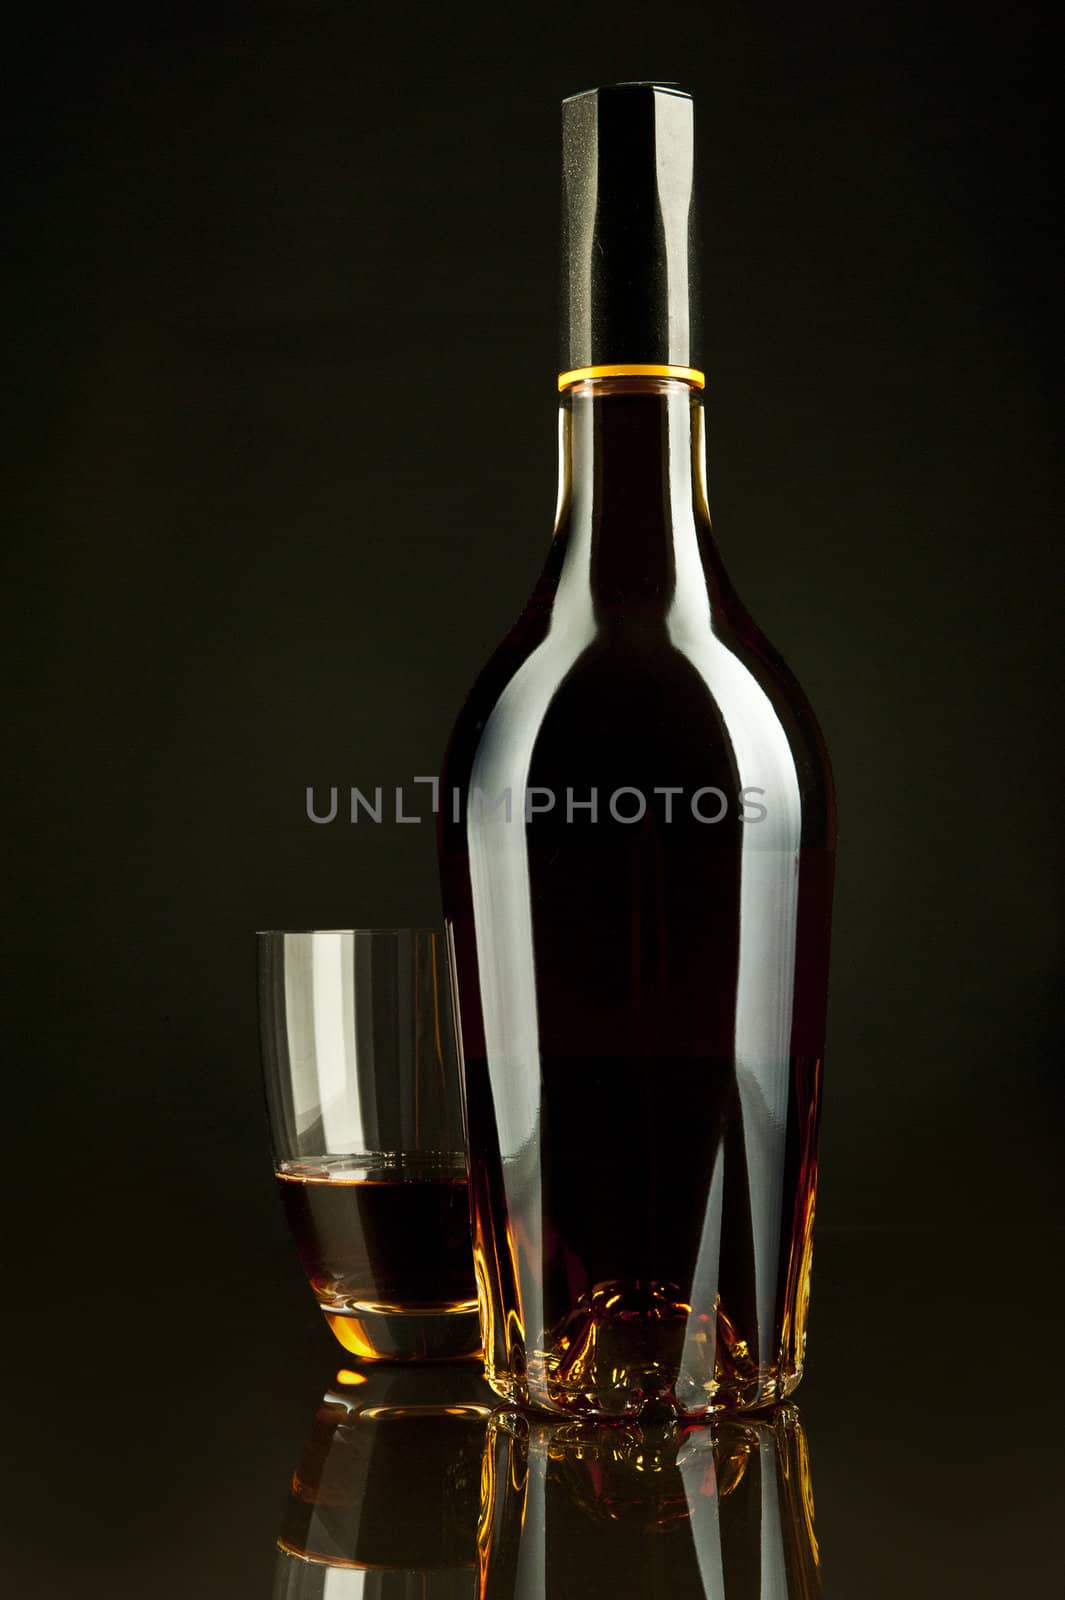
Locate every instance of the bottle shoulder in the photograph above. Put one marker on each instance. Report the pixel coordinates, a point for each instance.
(568, 635)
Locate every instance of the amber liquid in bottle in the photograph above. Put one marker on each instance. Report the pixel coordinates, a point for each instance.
(637, 833)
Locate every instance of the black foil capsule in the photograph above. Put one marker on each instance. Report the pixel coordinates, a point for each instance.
(629, 237)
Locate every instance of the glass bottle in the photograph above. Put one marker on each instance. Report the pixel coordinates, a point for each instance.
(637, 839)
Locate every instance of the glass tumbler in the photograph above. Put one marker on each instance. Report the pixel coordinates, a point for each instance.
(362, 1088)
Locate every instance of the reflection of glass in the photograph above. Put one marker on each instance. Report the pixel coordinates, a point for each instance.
(384, 1501)
(611, 1511)
(363, 1091)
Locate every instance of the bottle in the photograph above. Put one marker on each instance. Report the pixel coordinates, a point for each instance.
(637, 837)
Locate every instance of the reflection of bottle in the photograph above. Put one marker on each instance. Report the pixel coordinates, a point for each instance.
(384, 1501)
(612, 1511)
(637, 835)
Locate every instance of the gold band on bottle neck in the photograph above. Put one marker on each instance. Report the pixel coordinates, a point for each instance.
(630, 369)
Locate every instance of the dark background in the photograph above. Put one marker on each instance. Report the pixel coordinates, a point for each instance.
(282, 451)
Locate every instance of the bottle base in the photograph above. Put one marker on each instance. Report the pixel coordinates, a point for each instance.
(753, 1392)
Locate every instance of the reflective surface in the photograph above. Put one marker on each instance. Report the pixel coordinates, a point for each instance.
(407, 1486)
(172, 1474)
(637, 851)
(910, 1497)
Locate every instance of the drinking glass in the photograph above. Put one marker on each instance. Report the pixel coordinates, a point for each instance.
(362, 1088)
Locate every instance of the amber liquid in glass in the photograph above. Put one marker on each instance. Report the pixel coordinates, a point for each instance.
(385, 1245)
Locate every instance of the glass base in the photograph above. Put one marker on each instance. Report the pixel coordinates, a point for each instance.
(751, 1393)
(419, 1333)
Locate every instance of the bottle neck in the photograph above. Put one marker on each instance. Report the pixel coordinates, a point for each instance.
(632, 486)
